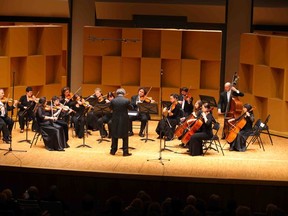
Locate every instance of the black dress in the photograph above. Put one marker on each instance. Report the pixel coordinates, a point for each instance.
(52, 134)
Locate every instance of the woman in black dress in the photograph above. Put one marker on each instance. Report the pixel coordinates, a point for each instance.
(52, 134)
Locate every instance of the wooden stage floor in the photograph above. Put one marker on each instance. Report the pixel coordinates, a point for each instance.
(270, 165)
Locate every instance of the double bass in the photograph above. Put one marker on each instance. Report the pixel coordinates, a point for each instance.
(233, 108)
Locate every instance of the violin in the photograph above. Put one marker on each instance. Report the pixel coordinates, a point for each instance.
(6, 100)
(145, 99)
(168, 112)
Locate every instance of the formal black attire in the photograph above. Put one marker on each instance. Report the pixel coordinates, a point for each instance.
(93, 117)
(68, 103)
(52, 134)
(186, 107)
(223, 99)
(239, 144)
(25, 115)
(142, 117)
(204, 133)
(6, 123)
(120, 121)
(105, 119)
(163, 127)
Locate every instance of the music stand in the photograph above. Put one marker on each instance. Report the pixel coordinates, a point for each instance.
(208, 99)
(148, 108)
(84, 114)
(102, 109)
(26, 113)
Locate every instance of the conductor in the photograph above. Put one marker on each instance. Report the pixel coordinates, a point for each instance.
(120, 121)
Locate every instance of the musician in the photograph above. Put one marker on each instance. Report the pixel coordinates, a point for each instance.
(239, 143)
(120, 120)
(52, 134)
(142, 117)
(61, 112)
(66, 97)
(106, 119)
(78, 119)
(6, 123)
(203, 133)
(186, 101)
(26, 106)
(226, 95)
(166, 126)
(93, 117)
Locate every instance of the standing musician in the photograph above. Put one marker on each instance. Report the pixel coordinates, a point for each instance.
(66, 99)
(52, 134)
(166, 126)
(203, 133)
(141, 97)
(78, 119)
(6, 123)
(244, 124)
(26, 106)
(61, 112)
(186, 101)
(93, 117)
(106, 119)
(224, 100)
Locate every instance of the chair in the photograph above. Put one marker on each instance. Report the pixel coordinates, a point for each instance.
(208, 144)
(255, 135)
(52, 207)
(37, 134)
(265, 127)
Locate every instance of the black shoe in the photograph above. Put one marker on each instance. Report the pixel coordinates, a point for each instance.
(109, 136)
(21, 131)
(127, 154)
(49, 149)
(7, 141)
(103, 136)
(67, 146)
(61, 149)
(130, 133)
(141, 134)
(112, 153)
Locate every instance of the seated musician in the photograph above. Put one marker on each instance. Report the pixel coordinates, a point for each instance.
(79, 119)
(93, 117)
(52, 134)
(106, 118)
(61, 112)
(26, 105)
(166, 126)
(186, 101)
(204, 131)
(6, 123)
(239, 142)
(187, 121)
(229, 92)
(141, 97)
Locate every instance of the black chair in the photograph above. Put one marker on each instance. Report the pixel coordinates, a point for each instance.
(37, 134)
(255, 135)
(54, 208)
(265, 127)
(214, 142)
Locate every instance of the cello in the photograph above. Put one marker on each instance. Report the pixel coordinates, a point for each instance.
(241, 122)
(233, 108)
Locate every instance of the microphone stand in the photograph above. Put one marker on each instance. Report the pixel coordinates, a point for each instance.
(160, 159)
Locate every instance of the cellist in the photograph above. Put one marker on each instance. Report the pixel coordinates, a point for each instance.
(203, 133)
(229, 92)
(239, 143)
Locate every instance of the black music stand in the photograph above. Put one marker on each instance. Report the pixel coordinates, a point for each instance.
(148, 108)
(26, 112)
(208, 99)
(84, 114)
(102, 109)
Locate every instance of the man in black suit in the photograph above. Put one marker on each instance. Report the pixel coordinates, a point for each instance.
(225, 96)
(120, 121)
(142, 117)
(186, 101)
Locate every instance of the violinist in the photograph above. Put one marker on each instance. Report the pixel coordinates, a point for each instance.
(106, 119)
(186, 101)
(26, 105)
(229, 92)
(52, 134)
(6, 123)
(78, 119)
(66, 96)
(60, 112)
(204, 132)
(92, 117)
(239, 143)
(166, 126)
(141, 97)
